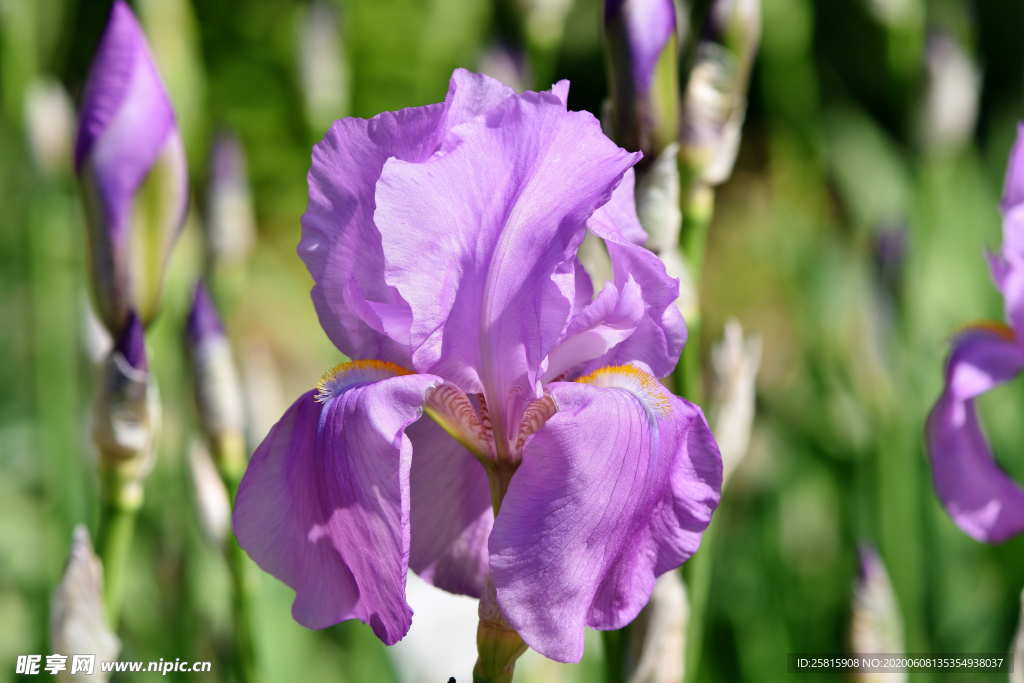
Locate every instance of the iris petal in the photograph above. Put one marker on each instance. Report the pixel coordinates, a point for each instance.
(615, 489)
(474, 240)
(451, 512)
(977, 493)
(324, 504)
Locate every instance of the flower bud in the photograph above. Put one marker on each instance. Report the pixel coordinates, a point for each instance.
(49, 122)
(210, 496)
(657, 201)
(641, 49)
(544, 20)
(131, 164)
(949, 107)
(735, 360)
(323, 70)
(78, 623)
(506, 64)
(126, 413)
(715, 100)
(229, 214)
(876, 626)
(217, 390)
(657, 647)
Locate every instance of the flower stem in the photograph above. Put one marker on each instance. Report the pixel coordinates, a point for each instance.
(697, 209)
(615, 648)
(498, 645)
(698, 204)
(119, 506)
(699, 589)
(232, 467)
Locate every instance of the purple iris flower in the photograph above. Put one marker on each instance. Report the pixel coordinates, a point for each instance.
(131, 162)
(442, 241)
(976, 492)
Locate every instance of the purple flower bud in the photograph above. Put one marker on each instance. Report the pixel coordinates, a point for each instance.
(640, 38)
(506, 63)
(132, 344)
(131, 163)
(229, 216)
(949, 104)
(203, 321)
(218, 392)
(876, 624)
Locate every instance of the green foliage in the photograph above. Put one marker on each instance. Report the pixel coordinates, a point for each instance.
(851, 364)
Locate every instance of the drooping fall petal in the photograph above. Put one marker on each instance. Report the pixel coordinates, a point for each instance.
(614, 490)
(977, 493)
(324, 505)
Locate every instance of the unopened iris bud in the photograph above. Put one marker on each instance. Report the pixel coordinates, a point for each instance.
(736, 25)
(544, 20)
(876, 625)
(211, 497)
(715, 101)
(657, 201)
(323, 69)
(49, 124)
(506, 64)
(229, 214)
(131, 163)
(949, 108)
(218, 393)
(736, 360)
(78, 623)
(641, 48)
(126, 414)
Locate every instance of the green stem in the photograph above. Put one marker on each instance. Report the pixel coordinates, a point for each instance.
(698, 203)
(113, 544)
(241, 609)
(697, 209)
(245, 659)
(615, 651)
(498, 645)
(698, 591)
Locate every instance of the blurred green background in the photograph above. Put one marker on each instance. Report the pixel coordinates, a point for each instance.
(851, 237)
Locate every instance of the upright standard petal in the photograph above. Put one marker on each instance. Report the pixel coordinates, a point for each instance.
(474, 240)
(362, 314)
(130, 157)
(614, 490)
(977, 493)
(659, 333)
(451, 512)
(324, 504)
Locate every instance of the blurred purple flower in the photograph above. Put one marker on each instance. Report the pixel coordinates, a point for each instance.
(639, 35)
(443, 239)
(130, 159)
(976, 492)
